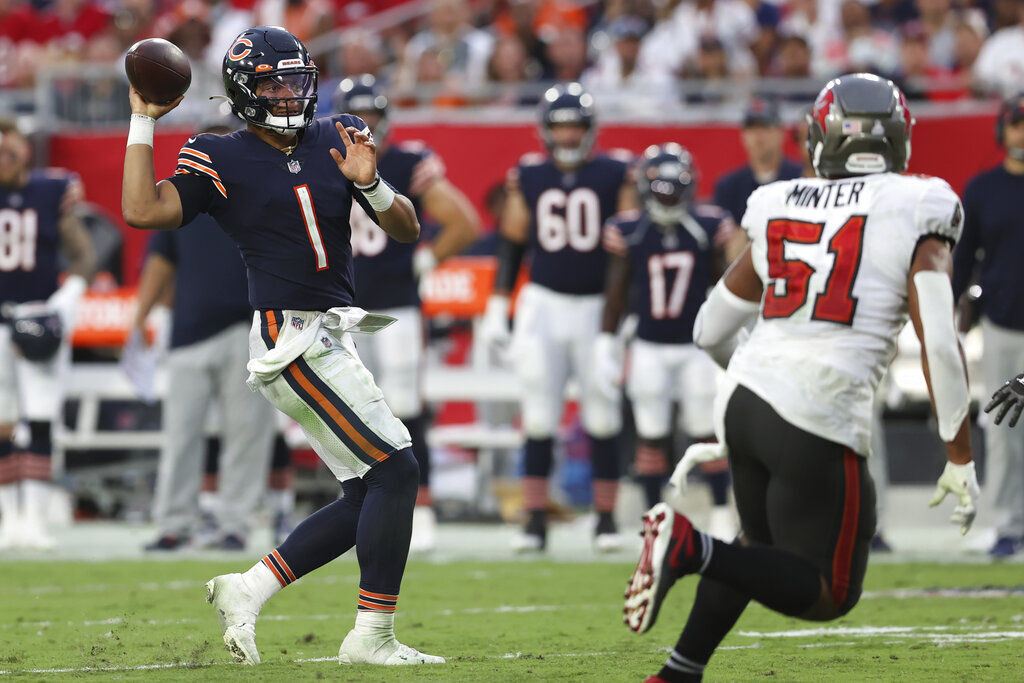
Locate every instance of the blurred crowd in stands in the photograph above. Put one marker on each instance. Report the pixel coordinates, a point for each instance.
(457, 52)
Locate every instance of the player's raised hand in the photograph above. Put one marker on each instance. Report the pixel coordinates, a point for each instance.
(359, 163)
(1011, 397)
(155, 111)
(962, 482)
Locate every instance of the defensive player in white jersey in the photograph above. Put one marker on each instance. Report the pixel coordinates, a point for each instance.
(834, 267)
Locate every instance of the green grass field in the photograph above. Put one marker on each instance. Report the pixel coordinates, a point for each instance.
(498, 621)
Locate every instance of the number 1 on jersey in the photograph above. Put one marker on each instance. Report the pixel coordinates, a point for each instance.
(312, 229)
(836, 303)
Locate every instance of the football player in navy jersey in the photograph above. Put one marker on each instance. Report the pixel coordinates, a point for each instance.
(666, 255)
(38, 220)
(556, 207)
(283, 189)
(388, 274)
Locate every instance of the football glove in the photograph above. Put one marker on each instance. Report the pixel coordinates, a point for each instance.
(607, 367)
(494, 330)
(696, 454)
(1011, 397)
(962, 482)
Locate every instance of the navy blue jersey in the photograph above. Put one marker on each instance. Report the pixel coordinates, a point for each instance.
(670, 269)
(567, 211)
(993, 205)
(30, 239)
(288, 214)
(733, 189)
(383, 266)
(209, 280)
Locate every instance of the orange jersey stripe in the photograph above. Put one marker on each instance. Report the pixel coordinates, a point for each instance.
(273, 570)
(358, 438)
(272, 325)
(199, 167)
(220, 188)
(284, 565)
(379, 596)
(195, 153)
(377, 608)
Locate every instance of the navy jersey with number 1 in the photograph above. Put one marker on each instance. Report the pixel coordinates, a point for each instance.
(670, 269)
(288, 213)
(567, 211)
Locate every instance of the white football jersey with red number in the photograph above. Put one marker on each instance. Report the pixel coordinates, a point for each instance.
(834, 256)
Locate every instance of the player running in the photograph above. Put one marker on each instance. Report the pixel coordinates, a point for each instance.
(283, 188)
(38, 219)
(666, 255)
(556, 206)
(834, 267)
(388, 274)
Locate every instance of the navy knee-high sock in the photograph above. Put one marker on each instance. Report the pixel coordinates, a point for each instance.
(326, 534)
(385, 528)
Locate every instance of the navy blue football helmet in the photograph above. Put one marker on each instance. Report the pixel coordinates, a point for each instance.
(362, 95)
(568, 104)
(37, 336)
(270, 53)
(667, 182)
(1011, 111)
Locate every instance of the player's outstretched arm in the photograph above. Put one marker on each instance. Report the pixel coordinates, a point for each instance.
(395, 213)
(732, 303)
(460, 223)
(930, 295)
(144, 203)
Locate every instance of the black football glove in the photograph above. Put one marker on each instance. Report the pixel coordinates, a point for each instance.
(1011, 397)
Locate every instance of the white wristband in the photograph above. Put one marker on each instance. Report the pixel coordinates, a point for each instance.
(140, 130)
(381, 197)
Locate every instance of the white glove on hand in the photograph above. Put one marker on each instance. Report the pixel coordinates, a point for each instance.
(494, 330)
(962, 482)
(423, 264)
(607, 368)
(65, 300)
(695, 455)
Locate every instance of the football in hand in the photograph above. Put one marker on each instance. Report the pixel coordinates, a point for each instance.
(158, 70)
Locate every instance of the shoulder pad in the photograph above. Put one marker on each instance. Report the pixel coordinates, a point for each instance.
(414, 147)
(621, 155)
(196, 158)
(532, 159)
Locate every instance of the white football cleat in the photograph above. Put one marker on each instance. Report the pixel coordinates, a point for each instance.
(32, 535)
(424, 529)
(237, 610)
(608, 543)
(528, 543)
(360, 649)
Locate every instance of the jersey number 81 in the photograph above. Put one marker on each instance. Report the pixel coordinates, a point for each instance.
(18, 240)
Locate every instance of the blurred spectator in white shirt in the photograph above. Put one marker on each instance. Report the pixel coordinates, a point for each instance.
(462, 49)
(1000, 64)
(620, 71)
(858, 46)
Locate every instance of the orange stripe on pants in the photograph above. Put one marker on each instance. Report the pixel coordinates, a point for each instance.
(336, 415)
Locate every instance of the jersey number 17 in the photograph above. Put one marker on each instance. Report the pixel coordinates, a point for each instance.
(836, 302)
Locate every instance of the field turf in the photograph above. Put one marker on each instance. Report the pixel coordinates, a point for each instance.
(498, 622)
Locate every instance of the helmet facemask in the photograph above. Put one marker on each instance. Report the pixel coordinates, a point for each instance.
(281, 101)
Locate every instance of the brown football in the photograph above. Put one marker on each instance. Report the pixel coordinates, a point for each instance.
(159, 70)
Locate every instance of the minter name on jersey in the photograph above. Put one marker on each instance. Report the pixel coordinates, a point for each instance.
(843, 193)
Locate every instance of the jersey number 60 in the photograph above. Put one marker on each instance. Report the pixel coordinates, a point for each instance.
(580, 225)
